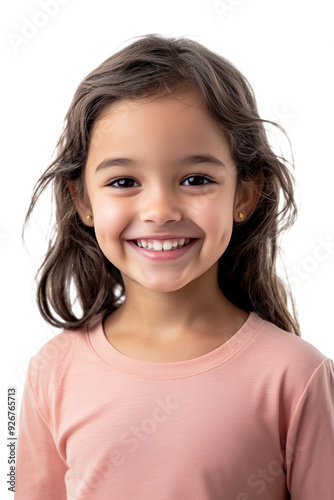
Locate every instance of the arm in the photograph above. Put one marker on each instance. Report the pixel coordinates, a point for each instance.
(310, 443)
(40, 470)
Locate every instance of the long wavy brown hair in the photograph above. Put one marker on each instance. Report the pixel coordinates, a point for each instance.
(153, 65)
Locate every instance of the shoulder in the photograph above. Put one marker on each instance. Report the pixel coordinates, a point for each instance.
(283, 340)
(287, 351)
(57, 354)
(286, 369)
(61, 367)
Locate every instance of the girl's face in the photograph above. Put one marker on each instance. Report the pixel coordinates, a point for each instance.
(162, 189)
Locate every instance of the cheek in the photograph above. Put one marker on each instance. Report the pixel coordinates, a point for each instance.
(109, 221)
(214, 214)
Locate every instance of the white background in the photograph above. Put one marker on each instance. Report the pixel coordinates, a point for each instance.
(284, 48)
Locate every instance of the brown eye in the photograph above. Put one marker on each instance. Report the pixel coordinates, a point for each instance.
(123, 182)
(196, 180)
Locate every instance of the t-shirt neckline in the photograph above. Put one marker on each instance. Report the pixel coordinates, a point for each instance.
(150, 369)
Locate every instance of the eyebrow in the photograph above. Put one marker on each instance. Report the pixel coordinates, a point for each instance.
(188, 160)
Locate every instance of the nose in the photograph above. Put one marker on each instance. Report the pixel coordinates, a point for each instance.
(160, 205)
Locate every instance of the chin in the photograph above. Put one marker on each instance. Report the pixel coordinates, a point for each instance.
(163, 287)
(160, 285)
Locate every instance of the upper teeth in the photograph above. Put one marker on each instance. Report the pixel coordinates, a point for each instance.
(159, 245)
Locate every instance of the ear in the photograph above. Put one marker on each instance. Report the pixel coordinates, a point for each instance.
(81, 204)
(246, 198)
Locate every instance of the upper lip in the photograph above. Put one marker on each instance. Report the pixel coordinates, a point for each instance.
(162, 237)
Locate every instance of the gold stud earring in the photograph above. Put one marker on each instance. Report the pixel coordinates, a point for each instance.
(89, 218)
(241, 215)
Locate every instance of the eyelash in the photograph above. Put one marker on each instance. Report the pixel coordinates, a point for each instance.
(118, 179)
(207, 180)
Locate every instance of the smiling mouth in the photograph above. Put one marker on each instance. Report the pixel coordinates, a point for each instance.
(162, 245)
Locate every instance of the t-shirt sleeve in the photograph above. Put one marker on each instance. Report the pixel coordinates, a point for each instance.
(40, 470)
(310, 442)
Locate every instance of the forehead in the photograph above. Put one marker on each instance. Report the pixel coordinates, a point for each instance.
(161, 127)
(177, 106)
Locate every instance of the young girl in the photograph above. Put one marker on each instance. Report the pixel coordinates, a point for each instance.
(178, 380)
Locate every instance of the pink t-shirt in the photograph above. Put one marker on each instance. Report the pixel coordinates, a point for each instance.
(253, 419)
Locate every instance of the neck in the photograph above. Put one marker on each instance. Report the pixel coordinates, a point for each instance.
(199, 306)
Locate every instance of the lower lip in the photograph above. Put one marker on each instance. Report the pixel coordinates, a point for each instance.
(163, 254)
